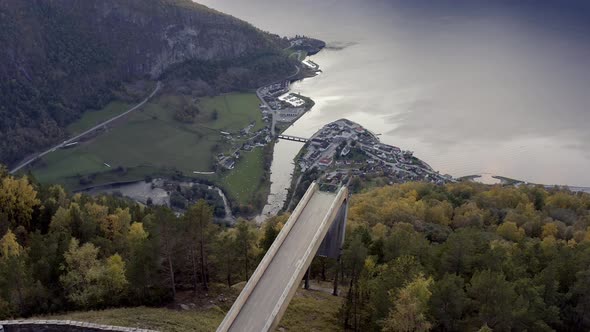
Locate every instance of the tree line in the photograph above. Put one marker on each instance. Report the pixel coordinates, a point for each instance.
(63, 252)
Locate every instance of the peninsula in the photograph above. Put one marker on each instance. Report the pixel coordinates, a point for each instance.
(344, 153)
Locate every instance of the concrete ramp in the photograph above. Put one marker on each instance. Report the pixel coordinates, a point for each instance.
(267, 294)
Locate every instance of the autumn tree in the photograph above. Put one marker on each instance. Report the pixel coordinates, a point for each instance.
(510, 231)
(82, 270)
(389, 278)
(114, 225)
(17, 201)
(270, 231)
(550, 229)
(409, 312)
(13, 272)
(87, 281)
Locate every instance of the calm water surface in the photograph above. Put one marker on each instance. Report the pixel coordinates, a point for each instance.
(497, 87)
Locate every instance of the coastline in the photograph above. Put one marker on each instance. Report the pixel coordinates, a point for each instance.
(272, 206)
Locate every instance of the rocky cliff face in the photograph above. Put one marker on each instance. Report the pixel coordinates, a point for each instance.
(141, 36)
(61, 57)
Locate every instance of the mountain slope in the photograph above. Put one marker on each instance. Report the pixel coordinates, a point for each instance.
(61, 57)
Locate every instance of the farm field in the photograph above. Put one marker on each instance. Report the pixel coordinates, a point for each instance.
(245, 178)
(235, 111)
(90, 118)
(150, 141)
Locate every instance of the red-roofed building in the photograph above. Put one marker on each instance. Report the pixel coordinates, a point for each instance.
(325, 162)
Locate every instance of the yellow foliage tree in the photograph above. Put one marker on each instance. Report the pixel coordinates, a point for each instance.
(61, 220)
(9, 247)
(89, 282)
(17, 200)
(96, 213)
(57, 196)
(564, 200)
(13, 272)
(550, 229)
(468, 214)
(116, 224)
(439, 213)
(522, 214)
(500, 197)
(510, 231)
(379, 231)
(411, 306)
(136, 233)
(113, 278)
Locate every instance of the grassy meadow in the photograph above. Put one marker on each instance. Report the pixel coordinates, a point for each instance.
(93, 117)
(308, 311)
(150, 141)
(245, 177)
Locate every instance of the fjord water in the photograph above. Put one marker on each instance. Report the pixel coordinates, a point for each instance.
(471, 86)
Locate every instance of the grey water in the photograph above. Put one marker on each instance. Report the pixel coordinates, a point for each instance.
(471, 86)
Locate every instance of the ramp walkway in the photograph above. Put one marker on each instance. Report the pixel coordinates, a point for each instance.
(267, 294)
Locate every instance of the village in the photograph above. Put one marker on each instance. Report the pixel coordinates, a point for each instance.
(279, 106)
(343, 149)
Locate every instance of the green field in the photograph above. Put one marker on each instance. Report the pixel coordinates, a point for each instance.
(245, 178)
(293, 53)
(149, 137)
(308, 311)
(91, 118)
(235, 111)
(151, 141)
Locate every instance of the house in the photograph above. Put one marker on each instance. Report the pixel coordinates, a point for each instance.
(345, 151)
(228, 163)
(325, 162)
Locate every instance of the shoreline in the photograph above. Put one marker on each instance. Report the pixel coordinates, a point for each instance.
(273, 207)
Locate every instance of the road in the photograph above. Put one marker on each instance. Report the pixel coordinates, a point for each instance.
(273, 286)
(75, 138)
(272, 112)
(297, 70)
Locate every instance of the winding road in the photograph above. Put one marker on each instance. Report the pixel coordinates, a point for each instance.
(98, 126)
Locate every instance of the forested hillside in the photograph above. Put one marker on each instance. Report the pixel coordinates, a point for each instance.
(417, 257)
(61, 58)
(465, 257)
